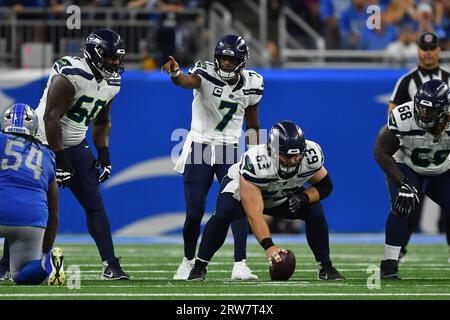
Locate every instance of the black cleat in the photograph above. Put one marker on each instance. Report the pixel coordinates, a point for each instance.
(198, 273)
(326, 271)
(389, 270)
(113, 271)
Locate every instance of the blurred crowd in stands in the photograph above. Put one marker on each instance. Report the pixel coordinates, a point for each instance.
(343, 22)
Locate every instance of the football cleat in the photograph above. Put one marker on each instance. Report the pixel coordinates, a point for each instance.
(326, 271)
(54, 266)
(402, 255)
(113, 271)
(389, 270)
(198, 272)
(184, 269)
(242, 272)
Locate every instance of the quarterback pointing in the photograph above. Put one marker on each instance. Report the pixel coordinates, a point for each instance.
(413, 150)
(269, 179)
(225, 94)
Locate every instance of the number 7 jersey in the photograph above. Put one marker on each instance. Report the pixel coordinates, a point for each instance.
(218, 109)
(419, 149)
(90, 97)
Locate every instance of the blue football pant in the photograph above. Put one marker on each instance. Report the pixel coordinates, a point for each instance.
(86, 188)
(198, 177)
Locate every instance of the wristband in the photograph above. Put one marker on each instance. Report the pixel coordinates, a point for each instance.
(266, 243)
(175, 74)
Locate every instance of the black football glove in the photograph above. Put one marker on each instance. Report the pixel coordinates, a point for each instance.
(64, 169)
(104, 162)
(407, 199)
(296, 201)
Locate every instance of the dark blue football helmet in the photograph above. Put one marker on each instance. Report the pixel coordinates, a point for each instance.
(231, 46)
(431, 104)
(102, 44)
(287, 147)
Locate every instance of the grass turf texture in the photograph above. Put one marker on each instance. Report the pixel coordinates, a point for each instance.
(425, 275)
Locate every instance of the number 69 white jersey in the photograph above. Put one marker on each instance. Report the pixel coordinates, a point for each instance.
(90, 97)
(418, 148)
(218, 109)
(257, 167)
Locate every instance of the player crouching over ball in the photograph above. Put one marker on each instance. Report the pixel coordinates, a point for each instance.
(269, 180)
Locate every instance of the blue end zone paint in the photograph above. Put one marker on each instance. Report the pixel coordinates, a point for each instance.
(278, 239)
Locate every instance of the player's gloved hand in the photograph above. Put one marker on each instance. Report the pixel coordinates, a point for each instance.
(273, 254)
(296, 200)
(64, 169)
(407, 199)
(104, 162)
(171, 67)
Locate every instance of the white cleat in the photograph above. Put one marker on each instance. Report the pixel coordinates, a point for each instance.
(242, 272)
(184, 269)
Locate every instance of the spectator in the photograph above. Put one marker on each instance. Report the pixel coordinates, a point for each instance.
(351, 23)
(378, 38)
(426, 21)
(404, 50)
(330, 11)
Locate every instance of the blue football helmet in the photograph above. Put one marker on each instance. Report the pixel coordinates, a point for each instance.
(231, 46)
(102, 44)
(287, 147)
(20, 118)
(431, 104)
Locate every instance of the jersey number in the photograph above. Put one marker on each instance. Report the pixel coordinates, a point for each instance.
(228, 105)
(405, 112)
(311, 159)
(36, 167)
(80, 114)
(439, 157)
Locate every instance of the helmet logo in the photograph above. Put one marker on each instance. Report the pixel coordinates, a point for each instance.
(93, 39)
(231, 52)
(426, 103)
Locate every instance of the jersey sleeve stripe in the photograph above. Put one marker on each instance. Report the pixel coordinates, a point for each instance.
(309, 173)
(409, 133)
(254, 180)
(205, 75)
(77, 72)
(253, 91)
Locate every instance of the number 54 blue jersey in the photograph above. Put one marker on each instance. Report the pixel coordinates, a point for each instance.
(26, 170)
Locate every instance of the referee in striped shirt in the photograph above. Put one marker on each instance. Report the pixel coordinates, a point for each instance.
(404, 91)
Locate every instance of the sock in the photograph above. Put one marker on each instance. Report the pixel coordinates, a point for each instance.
(397, 231)
(213, 237)
(240, 232)
(31, 273)
(100, 231)
(391, 252)
(191, 232)
(317, 235)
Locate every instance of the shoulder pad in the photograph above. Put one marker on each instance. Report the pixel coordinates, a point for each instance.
(256, 166)
(71, 67)
(401, 119)
(313, 159)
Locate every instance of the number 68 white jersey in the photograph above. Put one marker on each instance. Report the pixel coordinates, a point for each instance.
(418, 148)
(89, 99)
(257, 167)
(218, 109)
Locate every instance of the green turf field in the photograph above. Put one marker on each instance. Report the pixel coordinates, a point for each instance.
(426, 275)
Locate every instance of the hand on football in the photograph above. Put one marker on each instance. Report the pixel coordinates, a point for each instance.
(407, 200)
(170, 66)
(273, 254)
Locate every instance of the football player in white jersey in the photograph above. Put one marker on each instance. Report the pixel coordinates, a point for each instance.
(269, 179)
(413, 150)
(80, 90)
(224, 95)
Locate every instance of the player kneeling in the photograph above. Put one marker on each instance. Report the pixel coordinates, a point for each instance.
(29, 206)
(269, 180)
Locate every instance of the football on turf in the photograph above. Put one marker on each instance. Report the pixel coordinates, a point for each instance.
(283, 270)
